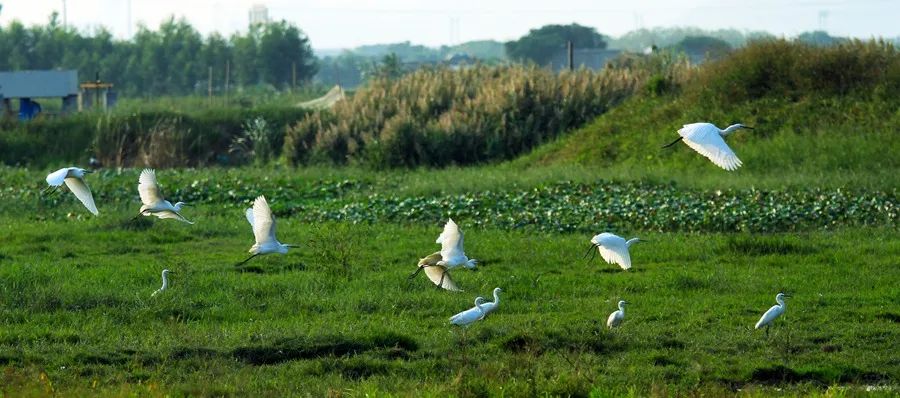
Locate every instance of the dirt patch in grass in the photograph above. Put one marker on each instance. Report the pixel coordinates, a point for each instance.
(309, 348)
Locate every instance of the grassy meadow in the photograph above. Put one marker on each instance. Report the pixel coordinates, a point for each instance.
(364, 189)
(338, 316)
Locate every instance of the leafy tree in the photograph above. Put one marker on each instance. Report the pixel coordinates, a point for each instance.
(540, 45)
(282, 46)
(703, 46)
(820, 38)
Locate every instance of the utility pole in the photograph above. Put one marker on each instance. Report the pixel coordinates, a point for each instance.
(128, 29)
(227, 76)
(209, 86)
(293, 76)
(570, 55)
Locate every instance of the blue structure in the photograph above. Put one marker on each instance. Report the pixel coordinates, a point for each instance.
(26, 86)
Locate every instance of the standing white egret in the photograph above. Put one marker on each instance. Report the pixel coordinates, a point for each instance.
(262, 221)
(615, 319)
(470, 315)
(489, 306)
(613, 249)
(772, 313)
(74, 179)
(153, 202)
(451, 255)
(165, 280)
(707, 139)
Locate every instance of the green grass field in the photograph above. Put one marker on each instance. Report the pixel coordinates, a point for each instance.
(339, 317)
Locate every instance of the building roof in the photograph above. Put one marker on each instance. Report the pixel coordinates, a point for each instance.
(38, 83)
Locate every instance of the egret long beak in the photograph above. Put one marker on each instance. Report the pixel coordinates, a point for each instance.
(748, 127)
(89, 171)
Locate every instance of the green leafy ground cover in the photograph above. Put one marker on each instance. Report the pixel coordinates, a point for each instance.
(560, 206)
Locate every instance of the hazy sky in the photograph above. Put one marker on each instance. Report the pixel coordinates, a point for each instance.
(344, 23)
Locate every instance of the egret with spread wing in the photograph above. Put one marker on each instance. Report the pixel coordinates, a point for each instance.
(613, 249)
(708, 140)
(438, 265)
(73, 177)
(152, 199)
(262, 221)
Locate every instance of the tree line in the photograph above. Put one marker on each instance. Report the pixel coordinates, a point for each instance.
(172, 60)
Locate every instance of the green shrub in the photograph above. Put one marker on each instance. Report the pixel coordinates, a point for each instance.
(790, 69)
(157, 138)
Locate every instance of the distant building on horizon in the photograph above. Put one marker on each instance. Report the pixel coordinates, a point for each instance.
(259, 14)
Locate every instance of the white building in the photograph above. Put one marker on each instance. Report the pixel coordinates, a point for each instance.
(259, 14)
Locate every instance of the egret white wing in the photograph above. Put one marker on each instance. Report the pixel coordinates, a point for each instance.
(83, 193)
(148, 188)
(614, 319)
(172, 214)
(263, 221)
(451, 241)
(249, 215)
(57, 177)
(436, 272)
(614, 250)
(706, 140)
(769, 316)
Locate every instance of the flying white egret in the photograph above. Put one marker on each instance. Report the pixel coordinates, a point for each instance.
(615, 319)
(451, 255)
(470, 315)
(489, 306)
(708, 140)
(438, 274)
(165, 285)
(772, 313)
(613, 249)
(263, 223)
(153, 202)
(74, 179)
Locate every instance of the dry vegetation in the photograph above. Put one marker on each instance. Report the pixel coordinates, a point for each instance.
(439, 117)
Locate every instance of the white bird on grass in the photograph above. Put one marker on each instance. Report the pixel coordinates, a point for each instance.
(165, 285)
(489, 306)
(707, 139)
(438, 265)
(615, 319)
(73, 177)
(613, 249)
(470, 315)
(772, 313)
(263, 223)
(153, 202)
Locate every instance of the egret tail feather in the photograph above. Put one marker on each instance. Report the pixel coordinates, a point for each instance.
(673, 142)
